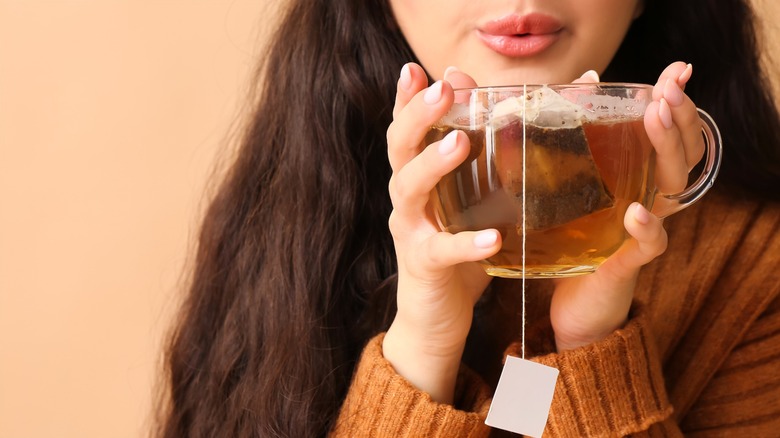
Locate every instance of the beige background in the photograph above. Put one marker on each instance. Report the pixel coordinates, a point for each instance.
(111, 115)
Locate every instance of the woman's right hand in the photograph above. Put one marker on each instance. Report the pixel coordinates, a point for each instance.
(438, 279)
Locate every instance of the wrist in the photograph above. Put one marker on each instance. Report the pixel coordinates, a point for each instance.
(570, 341)
(426, 366)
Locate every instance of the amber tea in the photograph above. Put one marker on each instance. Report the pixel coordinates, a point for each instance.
(575, 200)
(557, 165)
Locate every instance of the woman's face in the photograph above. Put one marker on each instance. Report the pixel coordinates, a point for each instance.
(504, 42)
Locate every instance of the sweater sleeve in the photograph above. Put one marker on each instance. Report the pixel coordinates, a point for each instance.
(381, 403)
(743, 397)
(614, 387)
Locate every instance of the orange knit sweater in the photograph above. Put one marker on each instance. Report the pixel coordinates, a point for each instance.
(699, 356)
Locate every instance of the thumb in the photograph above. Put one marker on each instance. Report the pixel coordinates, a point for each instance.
(649, 240)
(458, 79)
(589, 77)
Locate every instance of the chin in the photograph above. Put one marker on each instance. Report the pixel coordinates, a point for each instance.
(518, 72)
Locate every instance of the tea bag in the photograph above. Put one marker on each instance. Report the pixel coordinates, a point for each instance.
(562, 182)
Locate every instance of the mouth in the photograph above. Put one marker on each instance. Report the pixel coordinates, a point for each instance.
(520, 36)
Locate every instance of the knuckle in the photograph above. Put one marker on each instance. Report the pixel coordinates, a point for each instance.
(391, 133)
(400, 190)
(433, 255)
(662, 243)
(700, 147)
(392, 222)
(690, 119)
(675, 183)
(658, 240)
(397, 225)
(670, 146)
(391, 188)
(694, 150)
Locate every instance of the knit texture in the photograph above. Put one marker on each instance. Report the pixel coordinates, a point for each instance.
(384, 404)
(612, 388)
(700, 356)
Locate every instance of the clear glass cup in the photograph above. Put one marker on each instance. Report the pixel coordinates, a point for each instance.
(562, 163)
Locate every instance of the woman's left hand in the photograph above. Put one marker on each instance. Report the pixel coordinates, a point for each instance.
(588, 308)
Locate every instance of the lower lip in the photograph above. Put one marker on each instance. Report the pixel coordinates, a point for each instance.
(518, 46)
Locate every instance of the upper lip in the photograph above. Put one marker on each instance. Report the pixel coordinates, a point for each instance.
(513, 24)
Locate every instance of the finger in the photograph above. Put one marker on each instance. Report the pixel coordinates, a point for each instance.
(686, 119)
(671, 169)
(411, 80)
(410, 187)
(677, 138)
(406, 133)
(443, 249)
(671, 86)
(574, 93)
(589, 77)
(649, 240)
(458, 79)
(679, 72)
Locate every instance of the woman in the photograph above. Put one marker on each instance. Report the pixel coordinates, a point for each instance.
(297, 274)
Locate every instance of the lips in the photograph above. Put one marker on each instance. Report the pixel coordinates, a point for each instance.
(520, 36)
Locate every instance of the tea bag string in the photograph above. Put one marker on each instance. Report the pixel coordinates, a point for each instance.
(522, 339)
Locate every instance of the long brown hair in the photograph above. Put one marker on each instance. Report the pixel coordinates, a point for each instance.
(720, 39)
(294, 265)
(295, 240)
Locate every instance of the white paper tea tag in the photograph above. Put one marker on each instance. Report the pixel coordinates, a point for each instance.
(523, 397)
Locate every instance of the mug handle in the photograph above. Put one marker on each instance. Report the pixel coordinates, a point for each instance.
(665, 205)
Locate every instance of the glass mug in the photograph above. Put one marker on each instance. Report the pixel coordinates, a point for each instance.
(563, 163)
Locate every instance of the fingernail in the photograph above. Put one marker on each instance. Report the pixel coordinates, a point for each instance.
(685, 75)
(592, 75)
(451, 69)
(665, 114)
(448, 143)
(485, 239)
(673, 93)
(433, 93)
(641, 214)
(405, 80)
